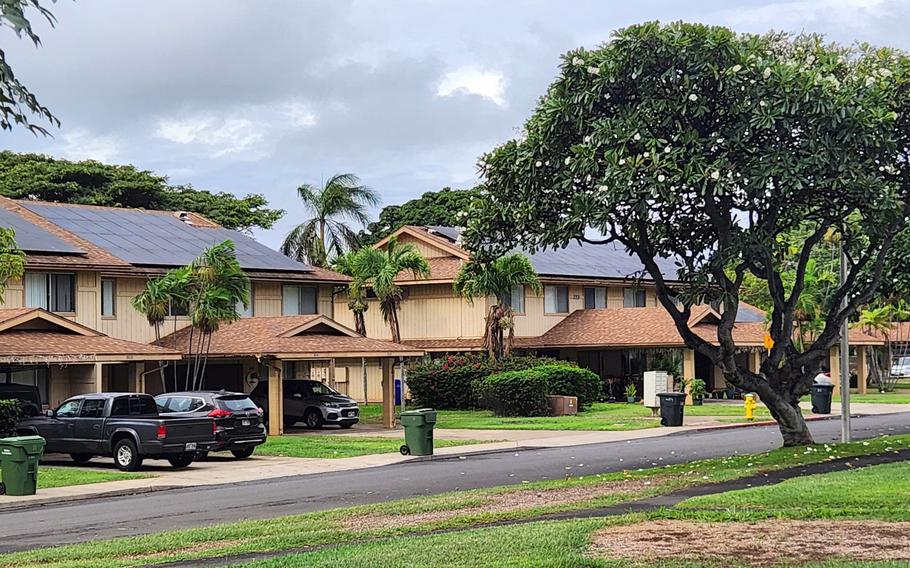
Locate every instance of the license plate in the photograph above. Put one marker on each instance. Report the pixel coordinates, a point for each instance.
(190, 446)
(244, 422)
(349, 413)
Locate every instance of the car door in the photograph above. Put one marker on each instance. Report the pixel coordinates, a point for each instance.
(294, 404)
(59, 430)
(89, 425)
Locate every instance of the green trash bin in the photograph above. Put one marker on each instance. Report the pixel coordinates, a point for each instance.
(418, 432)
(19, 461)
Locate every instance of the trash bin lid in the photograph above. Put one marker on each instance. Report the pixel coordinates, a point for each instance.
(31, 444)
(418, 412)
(672, 395)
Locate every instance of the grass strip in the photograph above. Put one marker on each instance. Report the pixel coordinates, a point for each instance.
(343, 446)
(50, 477)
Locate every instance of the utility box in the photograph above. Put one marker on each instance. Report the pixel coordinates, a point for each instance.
(562, 405)
(655, 382)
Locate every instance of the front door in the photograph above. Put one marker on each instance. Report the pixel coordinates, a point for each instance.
(88, 426)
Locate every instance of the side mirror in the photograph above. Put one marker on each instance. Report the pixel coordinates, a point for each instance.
(49, 413)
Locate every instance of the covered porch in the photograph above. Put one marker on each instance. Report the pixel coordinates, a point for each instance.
(244, 353)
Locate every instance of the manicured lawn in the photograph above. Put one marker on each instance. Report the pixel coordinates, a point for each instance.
(49, 477)
(879, 492)
(329, 446)
(461, 509)
(879, 398)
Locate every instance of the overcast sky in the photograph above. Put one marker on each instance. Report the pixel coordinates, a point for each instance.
(260, 96)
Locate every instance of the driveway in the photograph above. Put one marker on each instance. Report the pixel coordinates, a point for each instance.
(183, 508)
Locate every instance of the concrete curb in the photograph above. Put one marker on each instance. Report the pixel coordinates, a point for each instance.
(37, 503)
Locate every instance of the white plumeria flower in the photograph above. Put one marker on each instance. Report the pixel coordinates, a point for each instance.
(870, 81)
(622, 161)
(736, 68)
(884, 72)
(647, 154)
(693, 97)
(594, 70)
(720, 140)
(636, 137)
(578, 61)
(568, 161)
(761, 103)
(661, 177)
(766, 73)
(715, 175)
(667, 150)
(538, 163)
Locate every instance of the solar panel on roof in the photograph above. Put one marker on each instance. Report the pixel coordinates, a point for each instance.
(32, 238)
(165, 240)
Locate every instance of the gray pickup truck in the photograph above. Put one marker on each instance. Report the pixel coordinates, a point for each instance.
(123, 425)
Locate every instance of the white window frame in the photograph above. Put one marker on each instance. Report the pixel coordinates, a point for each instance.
(552, 291)
(113, 301)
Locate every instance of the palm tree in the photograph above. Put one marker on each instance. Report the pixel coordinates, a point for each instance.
(325, 235)
(497, 279)
(875, 320)
(357, 299)
(216, 284)
(153, 303)
(379, 268)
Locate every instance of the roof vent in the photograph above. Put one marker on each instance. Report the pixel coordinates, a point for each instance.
(185, 217)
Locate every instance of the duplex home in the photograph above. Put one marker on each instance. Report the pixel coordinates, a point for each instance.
(68, 326)
(598, 308)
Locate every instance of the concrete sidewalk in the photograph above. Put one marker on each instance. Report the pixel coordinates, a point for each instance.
(225, 470)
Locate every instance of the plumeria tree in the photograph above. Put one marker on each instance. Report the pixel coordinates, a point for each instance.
(496, 279)
(12, 259)
(703, 145)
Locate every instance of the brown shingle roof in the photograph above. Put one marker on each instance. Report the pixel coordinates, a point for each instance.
(462, 344)
(649, 327)
(307, 335)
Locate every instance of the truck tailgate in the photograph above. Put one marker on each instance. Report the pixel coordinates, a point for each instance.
(187, 430)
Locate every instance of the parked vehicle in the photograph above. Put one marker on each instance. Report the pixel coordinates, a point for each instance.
(901, 367)
(311, 402)
(125, 426)
(29, 397)
(238, 421)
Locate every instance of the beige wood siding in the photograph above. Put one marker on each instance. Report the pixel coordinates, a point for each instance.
(266, 299)
(88, 299)
(14, 295)
(425, 248)
(128, 323)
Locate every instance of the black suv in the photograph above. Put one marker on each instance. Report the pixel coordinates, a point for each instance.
(29, 397)
(238, 421)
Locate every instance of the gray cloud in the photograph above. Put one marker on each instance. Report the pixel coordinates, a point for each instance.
(261, 96)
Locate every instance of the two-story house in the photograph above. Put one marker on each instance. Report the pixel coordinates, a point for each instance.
(598, 308)
(69, 327)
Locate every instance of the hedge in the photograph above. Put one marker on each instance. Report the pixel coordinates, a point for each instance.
(448, 382)
(515, 393)
(10, 412)
(566, 380)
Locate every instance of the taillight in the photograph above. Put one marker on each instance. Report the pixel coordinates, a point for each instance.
(162, 431)
(220, 413)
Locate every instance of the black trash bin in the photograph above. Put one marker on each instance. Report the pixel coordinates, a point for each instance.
(821, 398)
(671, 408)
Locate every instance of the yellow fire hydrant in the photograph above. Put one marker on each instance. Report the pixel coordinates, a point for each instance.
(749, 405)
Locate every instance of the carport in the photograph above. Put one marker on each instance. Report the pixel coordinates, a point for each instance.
(273, 348)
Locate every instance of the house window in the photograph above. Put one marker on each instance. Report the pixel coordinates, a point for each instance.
(298, 300)
(248, 311)
(108, 297)
(176, 309)
(51, 291)
(595, 298)
(516, 299)
(633, 298)
(556, 299)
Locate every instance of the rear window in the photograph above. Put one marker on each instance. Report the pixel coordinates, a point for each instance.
(134, 406)
(235, 403)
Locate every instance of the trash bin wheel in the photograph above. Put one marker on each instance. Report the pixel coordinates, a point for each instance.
(405, 451)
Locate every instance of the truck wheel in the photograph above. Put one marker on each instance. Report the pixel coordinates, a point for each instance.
(181, 460)
(126, 456)
(313, 419)
(81, 458)
(243, 453)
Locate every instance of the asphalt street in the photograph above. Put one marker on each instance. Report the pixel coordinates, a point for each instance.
(193, 507)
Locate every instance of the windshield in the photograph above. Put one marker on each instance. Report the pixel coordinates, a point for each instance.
(321, 389)
(236, 403)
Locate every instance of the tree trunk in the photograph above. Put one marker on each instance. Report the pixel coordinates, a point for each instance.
(393, 322)
(360, 324)
(784, 407)
(160, 363)
(790, 421)
(492, 335)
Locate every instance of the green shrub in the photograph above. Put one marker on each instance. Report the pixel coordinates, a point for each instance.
(567, 380)
(448, 382)
(10, 412)
(515, 393)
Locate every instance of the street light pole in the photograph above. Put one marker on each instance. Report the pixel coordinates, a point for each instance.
(844, 358)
